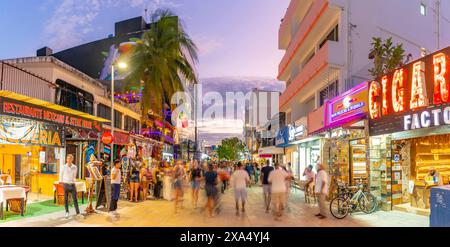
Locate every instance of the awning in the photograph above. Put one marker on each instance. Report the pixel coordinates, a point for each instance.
(48, 105)
(121, 137)
(271, 150)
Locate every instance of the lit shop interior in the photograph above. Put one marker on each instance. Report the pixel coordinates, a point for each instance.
(344, 149)
(401, 167)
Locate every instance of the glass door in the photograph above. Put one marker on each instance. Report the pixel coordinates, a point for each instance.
(358, 161)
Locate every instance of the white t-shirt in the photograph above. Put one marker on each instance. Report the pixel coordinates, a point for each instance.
(118, 176)
(239, 179)
(278, 180)
(321, 177)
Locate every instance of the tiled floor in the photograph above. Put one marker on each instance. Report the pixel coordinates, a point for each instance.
(161, 213)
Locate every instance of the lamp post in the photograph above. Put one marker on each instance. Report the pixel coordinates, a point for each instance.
(121, 65)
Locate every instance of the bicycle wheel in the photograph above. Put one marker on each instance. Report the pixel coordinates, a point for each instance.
(367, 203)
(339, 207)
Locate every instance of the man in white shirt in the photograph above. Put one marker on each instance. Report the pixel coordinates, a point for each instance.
(116, 177)
(321, 190)
(67, 177)
(277, 178)
(239, 181)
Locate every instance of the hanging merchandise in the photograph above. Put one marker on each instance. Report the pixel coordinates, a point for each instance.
(131, 150)
(124, 187)
(90, 150)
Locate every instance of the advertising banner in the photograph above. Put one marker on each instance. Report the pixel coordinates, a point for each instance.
(28, 132)
(20, 109)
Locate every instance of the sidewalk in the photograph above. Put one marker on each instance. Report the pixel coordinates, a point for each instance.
(161, 214)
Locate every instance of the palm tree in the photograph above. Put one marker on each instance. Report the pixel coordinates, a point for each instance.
(162, 62)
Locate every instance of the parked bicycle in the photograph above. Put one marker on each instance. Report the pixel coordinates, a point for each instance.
(348, 201)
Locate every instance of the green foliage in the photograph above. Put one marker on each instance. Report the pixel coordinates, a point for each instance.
(386, 57)
(162, 61)
(230, 149)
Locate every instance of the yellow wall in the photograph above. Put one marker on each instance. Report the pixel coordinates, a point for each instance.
(44, 182)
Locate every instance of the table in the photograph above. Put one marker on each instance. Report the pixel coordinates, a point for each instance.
(8, 192)
(80, 187)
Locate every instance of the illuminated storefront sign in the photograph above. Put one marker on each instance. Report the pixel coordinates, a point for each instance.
(28, 132)
(412, 97)
(348, 106)
(427, 118)
(19, 109)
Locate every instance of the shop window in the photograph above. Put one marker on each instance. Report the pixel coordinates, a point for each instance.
(104, 111)
(49, 160)
(329, 92)
(72, 97)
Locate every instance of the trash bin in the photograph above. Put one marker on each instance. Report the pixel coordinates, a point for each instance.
(440, 206)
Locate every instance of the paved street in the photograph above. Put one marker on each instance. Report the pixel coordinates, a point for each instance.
(161, 214)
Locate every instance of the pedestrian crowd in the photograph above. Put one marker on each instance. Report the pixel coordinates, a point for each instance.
(168, 181)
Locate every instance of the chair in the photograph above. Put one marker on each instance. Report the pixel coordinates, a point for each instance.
(59, 194)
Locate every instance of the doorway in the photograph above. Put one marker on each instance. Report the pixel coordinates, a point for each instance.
(18, 169)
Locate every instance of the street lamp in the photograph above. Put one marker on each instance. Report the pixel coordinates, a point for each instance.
(121, 65)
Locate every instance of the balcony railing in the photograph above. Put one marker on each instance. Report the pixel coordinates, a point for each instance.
(20, 81)
(306, 25)
(308, 72)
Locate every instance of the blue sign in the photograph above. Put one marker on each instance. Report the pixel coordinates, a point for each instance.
(283, 137)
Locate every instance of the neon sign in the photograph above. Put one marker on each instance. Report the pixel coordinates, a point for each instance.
(348, 106)
(441, 80)
(412, 87)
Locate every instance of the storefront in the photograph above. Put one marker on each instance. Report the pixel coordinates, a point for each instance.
(295, 151)
(269, 154)
(410, 132)
(345, 142)
(33, 139)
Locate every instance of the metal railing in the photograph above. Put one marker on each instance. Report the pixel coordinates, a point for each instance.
(18, 80)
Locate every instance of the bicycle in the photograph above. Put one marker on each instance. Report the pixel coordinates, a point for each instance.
(347, 201)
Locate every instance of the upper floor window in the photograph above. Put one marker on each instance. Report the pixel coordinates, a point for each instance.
(75, 98)
(131, 124)
(117, 119)
(104, 111)
(288, 117)
(333, 35)
(423, 9)
(309, 57)
(329, 92)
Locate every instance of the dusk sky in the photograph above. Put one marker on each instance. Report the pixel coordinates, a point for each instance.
(235, 37)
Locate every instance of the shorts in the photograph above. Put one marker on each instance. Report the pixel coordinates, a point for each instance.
(178, 184)
(279, 198)
(267, 189)
(195, 185)
(134, 180)
(211, 190)
(240, 194)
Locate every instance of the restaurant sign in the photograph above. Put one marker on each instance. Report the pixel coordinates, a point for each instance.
(28, 132)
(20, 109)
(348, 106)
(414, 96)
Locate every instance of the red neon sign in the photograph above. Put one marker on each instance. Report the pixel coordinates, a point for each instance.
(418, 88)
(441, 83)
(374, 105)
(417, 85)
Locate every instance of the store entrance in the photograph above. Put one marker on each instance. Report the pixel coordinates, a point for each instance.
(358, 164)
